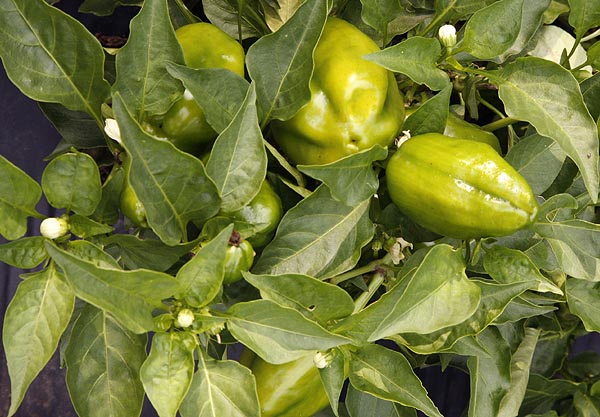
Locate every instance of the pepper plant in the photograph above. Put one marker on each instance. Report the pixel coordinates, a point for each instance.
(346, 289)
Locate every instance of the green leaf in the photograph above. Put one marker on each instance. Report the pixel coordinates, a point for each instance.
(576, 245)
(107, 210)
(77, 128)
(103, 361)
(313, 298)
(531, 20)
(379, 13)
(130, 296)
(542, 393)
(352, 179)
(586, 405)
(72, 181)
(495, 298)
(106, 7)
(456, 9)
(547, 96)
(167, 372)
(489, 375)
(19, 194)
(436, 294)
(333, 377)
(25, 253)
(172, 185)
(180, 14)
(415, 57)
(281, 63)
(590, 88)
(583, 298)
(492, 30)
(218, 91)
(143, 82)
(221, 388)
(35, 319)
(279, 12)
(200, 279)
(388, 375)
(507, 265)
(538, 159)
(84, 227)
(519, 309)
(320, 237)
(87, 251)
(584, 15)
(361, 404)
(238, 160)
(278, 334)
(432, 116)
(33, 46)
(153, 254)
(519, 374)
(228, 16)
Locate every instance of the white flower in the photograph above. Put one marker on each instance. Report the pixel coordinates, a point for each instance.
(112, 129)
(447, 35)
(54, 227)
(185, 318)
(323, 359)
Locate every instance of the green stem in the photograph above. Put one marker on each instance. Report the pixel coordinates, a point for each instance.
(499, 124)
(362, 300)
(370, 267)
(436, 21)
(591, 36)
(491, 107)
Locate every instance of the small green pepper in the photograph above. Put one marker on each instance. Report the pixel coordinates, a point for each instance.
(263, 214)
(239, 258)
(204, 46)
(460, 128)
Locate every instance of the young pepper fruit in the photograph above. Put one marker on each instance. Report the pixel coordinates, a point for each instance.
(204, 46)
(354, 103)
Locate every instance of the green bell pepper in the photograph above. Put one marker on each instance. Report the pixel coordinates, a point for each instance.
(204, 46)
(354, 103)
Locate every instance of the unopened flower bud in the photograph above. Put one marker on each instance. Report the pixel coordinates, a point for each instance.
(447, 35)
(54, 227)
(323, 359)
(185, 318)
(112, 129)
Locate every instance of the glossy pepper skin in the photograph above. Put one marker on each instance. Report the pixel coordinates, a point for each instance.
(354, 103)
(204, 46)
(459, 188)
(292, 389)
(130, 205)
(263, 213)
(238, 258)
(460, 128)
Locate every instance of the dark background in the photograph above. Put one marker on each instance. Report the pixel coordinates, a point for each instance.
(26, 138)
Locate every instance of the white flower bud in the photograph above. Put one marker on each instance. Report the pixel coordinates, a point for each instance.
(54, 227)
(323, 359)
(112, 129)
(185, 318)
(447, 35)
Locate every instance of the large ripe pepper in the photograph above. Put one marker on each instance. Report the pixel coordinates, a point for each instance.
(292, 389)
(459, 188)
(204, 46)
(354, 103)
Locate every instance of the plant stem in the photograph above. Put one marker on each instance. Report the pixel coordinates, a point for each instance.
(491, 107)
(591, 36)
(499, 124)
(362, 300)
(370, 267)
